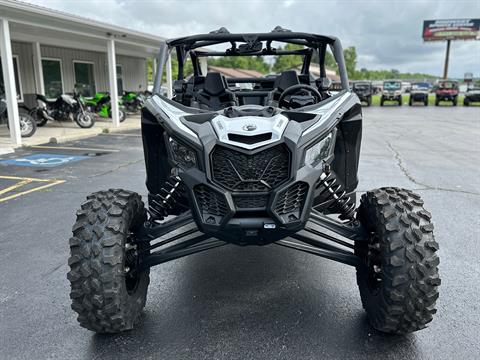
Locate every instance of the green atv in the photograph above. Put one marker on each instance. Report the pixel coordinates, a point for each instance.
(101, 105)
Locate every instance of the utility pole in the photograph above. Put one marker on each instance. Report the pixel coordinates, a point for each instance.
(447, 56)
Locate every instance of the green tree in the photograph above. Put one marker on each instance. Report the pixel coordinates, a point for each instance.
(240, 62)
(350, 55)
(288, 62)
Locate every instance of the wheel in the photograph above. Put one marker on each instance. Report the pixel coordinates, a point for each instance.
(28, 125)
(121, 115)
(399, 280)
(426, 102)
(369, 101)
(454, 102)
(437, 102)
(381, 101)
(410, 102)
(85, 119)
(400, 100)
(466, 102)
(107, 290)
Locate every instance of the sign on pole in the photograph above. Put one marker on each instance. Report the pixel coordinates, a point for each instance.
(451, 29)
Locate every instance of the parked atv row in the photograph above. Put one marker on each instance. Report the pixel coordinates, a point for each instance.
(446, 90)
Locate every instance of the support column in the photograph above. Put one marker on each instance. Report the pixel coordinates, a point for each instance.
(154, 67)
(447, 57)
(9, 80)
(38, 69)
(112, 76)
(169, 76)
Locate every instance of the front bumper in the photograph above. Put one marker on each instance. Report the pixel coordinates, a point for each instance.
(252, 217)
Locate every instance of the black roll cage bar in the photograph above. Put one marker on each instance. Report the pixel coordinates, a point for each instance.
(195, 47)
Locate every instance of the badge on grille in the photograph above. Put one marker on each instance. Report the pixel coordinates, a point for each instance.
(249, 127)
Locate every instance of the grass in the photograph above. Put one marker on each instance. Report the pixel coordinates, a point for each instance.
(406, 97)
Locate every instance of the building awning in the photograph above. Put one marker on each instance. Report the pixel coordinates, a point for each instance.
(33, 23)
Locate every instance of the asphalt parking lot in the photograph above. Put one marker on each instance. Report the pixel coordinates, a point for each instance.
(243, 303)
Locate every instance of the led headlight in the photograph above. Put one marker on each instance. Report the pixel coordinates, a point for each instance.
(320, 151)
(182, 154)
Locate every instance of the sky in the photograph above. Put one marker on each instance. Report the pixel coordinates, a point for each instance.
(386, 34)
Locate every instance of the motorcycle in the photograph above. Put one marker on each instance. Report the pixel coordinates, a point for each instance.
(64, 108)
(131, 101)
(28, 126)
(101, 105)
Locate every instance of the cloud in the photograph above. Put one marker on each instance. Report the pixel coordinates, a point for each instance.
(386, 34)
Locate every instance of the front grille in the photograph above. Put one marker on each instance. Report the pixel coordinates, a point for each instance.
(290, 201)
(262, 171)
(210, 202)
(250, 202)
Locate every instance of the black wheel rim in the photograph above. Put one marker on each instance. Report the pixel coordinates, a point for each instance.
(374, 265)
(132, 276)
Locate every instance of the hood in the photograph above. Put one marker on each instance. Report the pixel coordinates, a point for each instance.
(248, 126)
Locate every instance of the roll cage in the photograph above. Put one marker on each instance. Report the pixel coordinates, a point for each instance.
(250, 44)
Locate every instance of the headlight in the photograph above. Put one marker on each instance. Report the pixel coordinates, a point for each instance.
(320, 151)
(182, 154)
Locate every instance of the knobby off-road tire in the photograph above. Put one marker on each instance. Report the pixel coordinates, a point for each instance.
(399, 284)
(106, 297)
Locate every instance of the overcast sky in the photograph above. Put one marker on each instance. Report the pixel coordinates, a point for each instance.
(386, 34)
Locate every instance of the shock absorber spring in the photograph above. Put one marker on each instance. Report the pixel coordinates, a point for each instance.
(168, 197)
(339, 196)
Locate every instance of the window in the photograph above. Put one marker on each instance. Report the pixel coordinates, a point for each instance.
(18, 83)
(84, 78)
(52, 78)
(119, 80)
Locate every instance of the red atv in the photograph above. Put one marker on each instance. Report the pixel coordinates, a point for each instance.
(446, 90)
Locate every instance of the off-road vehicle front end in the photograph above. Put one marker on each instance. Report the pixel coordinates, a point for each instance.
(274, 163)
(392, 91)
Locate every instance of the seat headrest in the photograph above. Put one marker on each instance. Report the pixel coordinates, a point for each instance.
(287, 79)
(214, 84)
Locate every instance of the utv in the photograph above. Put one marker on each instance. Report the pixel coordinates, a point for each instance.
(364, 91)
(471, 96)
(392, 91)
(446, 90)
(274, 165)
(419, 93)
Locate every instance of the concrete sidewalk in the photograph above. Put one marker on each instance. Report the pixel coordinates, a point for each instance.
(60, 132)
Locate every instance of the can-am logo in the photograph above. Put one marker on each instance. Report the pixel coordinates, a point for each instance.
(249, 127)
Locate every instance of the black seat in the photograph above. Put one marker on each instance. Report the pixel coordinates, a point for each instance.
(45, 100)
(282, 82)
(214, 95)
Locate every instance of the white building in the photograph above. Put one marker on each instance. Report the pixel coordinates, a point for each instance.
(44, 51)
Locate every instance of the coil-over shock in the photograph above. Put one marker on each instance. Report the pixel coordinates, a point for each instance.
(340, 198)
(169, 199)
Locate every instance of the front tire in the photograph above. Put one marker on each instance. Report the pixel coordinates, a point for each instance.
(107, 291)
(399, 280)
(85, 119)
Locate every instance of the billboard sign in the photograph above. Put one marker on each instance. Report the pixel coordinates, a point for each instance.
(452, 29)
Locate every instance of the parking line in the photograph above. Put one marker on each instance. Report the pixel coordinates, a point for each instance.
(15, 186)
(71, 148)
(24, 181)
(117, 134)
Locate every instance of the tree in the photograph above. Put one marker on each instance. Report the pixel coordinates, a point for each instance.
(288, 62)
(350, 55)
(241, 62)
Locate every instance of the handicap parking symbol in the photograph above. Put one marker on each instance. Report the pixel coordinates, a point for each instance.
(43, 160)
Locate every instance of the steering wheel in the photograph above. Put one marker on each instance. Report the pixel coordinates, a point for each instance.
(299, 89)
